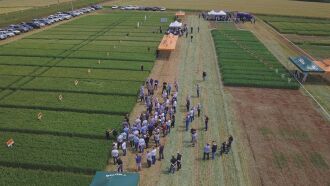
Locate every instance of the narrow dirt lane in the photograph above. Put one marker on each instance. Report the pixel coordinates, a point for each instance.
(198, 56)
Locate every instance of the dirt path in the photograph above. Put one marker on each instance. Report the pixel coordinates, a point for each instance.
(196, 57)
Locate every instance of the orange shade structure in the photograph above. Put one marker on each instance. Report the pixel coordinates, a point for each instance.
(325, 65)
(168, 43)
(180, 14)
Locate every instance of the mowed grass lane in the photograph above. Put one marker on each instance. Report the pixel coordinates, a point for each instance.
(94, 64)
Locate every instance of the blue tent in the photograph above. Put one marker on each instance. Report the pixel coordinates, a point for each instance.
(102, 178)
(244, 15)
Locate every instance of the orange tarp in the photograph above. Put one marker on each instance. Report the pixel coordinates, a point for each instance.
(179, 14)
(168, 42)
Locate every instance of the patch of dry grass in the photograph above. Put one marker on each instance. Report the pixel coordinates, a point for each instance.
(276, 7)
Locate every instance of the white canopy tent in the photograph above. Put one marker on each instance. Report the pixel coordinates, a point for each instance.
(176, 24)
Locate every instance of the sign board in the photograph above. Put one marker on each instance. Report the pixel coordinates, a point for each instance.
(305, 64)
(102, 178)
(163, 20)
(10, 142)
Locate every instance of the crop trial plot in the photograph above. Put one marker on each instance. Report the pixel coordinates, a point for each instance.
(61, 89)
(244, 61)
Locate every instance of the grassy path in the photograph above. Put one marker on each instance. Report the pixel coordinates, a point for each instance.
(196, 57)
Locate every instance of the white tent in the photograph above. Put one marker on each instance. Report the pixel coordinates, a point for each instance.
(212, 12)
(176, 24)
(221, 13)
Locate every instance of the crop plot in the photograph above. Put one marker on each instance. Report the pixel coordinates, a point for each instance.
(244, 61)
(81, 77)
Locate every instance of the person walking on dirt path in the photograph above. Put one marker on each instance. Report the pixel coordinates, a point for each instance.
(197, 90)
(191, 37)
(124, 148)
(198, 109)
(120, 165)
(191, 30)
(214, 149)
(193, 136)
(187, 121)
(230, 140)
(204, 76)
(161, 152)
(115, 155)
(178, 161)
(153, 155)
(149, 159)
(138, 161)
(207, 150)
(173, 165)
(206, 122)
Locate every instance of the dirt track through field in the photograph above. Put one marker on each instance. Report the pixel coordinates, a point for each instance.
(186, 65)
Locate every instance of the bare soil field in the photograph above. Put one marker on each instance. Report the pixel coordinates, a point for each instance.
(288, 138)
(282, 49)
(276, 7)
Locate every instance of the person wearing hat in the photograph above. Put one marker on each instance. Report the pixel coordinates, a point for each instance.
(178, 160)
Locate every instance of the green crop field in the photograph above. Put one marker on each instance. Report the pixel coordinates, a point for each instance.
(244, 61)
(93, 64)
(299, 28)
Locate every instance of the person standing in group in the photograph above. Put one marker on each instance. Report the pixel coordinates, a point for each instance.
(120, 165)
(207, 150)
(115, 155)
(173, 165)
(161, 152)
(214, 149)
(222, 148)
(178, 160)
(149, 159)
(191, 37)
(124, 148)
(230, 140)
(138, 160)
(186, 34)
(173, 121)
(153, 155)
(206, 122)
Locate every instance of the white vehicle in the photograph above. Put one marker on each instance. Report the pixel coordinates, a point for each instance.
(115, 7)
(162, 9)
(8, 33)
(16, 32)
(3, 36)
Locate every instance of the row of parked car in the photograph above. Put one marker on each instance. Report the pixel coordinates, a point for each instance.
(131, 7)
(23, 27)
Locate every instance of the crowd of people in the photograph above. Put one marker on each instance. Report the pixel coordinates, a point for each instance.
(143, 135)
(153, 123)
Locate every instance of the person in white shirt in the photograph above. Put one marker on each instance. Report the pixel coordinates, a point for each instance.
(153, 154)
(123, 147)
(149, 158)
(141, 144)
(120, 140)
(115, 155)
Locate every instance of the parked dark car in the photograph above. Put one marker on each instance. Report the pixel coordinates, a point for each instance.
(34, 24)
(97, 7)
